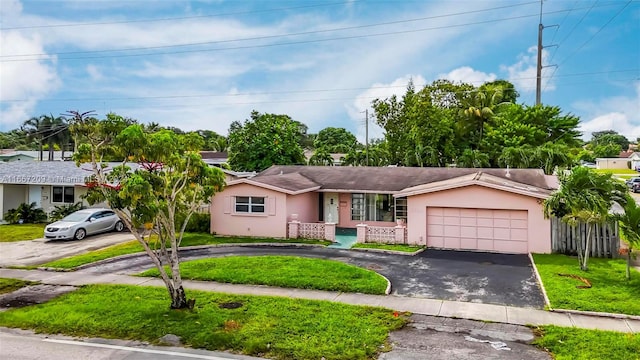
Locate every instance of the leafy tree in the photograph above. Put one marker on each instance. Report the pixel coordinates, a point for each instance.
(509, 92)
(585, 196)
(547, 157)
(161, 178)
(479, 109)
(629, 222)
(264, 140)
(609, 137)
(335, 140)
(35, 129)
(610, 150)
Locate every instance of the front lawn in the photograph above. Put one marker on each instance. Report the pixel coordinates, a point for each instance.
(21, 232)
(283, 271)
(271, 327)
(10, 285)
(581, 344)
(189, 239)
(617, 171)
(394, 247)
(610, 291)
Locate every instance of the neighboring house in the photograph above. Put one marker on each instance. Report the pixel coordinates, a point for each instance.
(635, 160)
(612, 163)
(15, 157)
(335, 157)
(215, 158)
(35, 155)
(456, 208)
(47, 183)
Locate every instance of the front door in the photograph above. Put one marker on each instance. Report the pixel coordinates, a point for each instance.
(331, 208)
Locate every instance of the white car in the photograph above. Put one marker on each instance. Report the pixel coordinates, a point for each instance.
(82, 223)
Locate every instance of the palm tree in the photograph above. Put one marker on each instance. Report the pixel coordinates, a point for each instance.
(34, 129)
(480, 109)
(321, 157)
(53, 128)
(629, 223)
(584, 196)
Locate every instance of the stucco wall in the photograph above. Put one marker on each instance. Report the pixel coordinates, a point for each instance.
(225, 221)
(612, 163)
(479, 197)
(305, 205)
(13, 196)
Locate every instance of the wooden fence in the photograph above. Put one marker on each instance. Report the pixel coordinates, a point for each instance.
(605, 240)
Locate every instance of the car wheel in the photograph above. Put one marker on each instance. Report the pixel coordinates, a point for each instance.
(80, 234)
(119, 226)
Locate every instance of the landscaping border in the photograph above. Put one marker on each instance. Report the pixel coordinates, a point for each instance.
(576, 312)
(394, 252)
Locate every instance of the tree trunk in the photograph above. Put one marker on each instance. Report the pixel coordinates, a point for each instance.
(40, 148)
(178, 298)
(629, 263)
(585, 259)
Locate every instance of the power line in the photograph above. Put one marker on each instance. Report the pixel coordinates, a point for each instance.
(291, 91)
(289, 43)
(175, 18)
(276, 36)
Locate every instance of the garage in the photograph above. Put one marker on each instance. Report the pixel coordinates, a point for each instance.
(499, 230)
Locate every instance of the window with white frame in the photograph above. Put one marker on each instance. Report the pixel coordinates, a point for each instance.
(401, 209)
(372, 207)
(250, 204)
(63, 194)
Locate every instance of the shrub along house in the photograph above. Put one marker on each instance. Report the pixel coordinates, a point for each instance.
(47, 183)
(472, 209)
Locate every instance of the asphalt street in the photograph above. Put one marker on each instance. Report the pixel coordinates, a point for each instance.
(501, 279)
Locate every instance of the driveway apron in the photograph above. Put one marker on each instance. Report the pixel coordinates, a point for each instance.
(501, 279)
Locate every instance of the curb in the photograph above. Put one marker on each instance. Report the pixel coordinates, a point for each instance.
(196, 247)
(539, 279)
(595, 313)
(394, 252)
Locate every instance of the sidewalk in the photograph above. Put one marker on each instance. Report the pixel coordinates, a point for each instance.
(444, 308)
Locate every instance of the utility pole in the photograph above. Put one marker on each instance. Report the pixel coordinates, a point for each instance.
(366, 134)
(539, 67)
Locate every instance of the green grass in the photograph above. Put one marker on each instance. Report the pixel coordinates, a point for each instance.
(21, 232)
(581, 344)
(9, 285)
(617, 171)
(610, 291)
(394, 247)
(189, 239)
(283, 271)
(273, 327)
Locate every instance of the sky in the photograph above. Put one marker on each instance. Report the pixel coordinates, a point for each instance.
(204, 64)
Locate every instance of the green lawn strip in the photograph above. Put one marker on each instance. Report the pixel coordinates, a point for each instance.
(189, 239)
(283, 271)
(610, 291)
(394, 247)
(580, 344)
(10, 285)
(617, 171)
(21, 232)
(273, 327)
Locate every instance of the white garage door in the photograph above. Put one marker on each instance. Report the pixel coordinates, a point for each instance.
(477, 229)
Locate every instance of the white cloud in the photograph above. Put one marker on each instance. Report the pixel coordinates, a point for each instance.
(619, 113)
(357, 109)
(24, 81)
(524, 72)
(94, 72)
(467, 74)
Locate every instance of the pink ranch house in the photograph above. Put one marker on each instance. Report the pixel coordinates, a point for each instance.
(496, 210)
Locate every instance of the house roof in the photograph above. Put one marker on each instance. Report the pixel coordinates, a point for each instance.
(384, 179)
(46, 172)
(214, 155)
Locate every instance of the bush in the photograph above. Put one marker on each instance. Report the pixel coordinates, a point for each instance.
(63, 210)
(26, 214)
(198, 223)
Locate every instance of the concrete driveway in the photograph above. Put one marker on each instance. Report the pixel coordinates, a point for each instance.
(39, 251)
(447, 275)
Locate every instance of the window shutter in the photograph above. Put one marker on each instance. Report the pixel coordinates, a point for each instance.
(227, 204)
(272, 206)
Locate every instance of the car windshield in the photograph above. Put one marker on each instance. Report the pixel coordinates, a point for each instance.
(75, 217)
